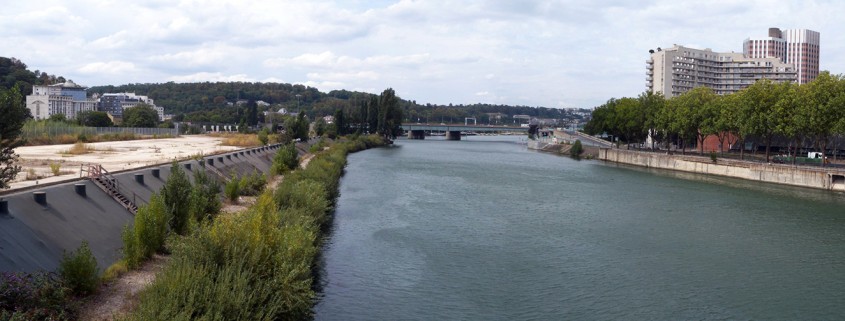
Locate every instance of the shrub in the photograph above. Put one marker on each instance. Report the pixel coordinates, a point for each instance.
(263, 136)
(55, 168)
(232, 189)
(177, 193)
(79, 148)
(286, 159)
(36, 296)
(713, 157)
(577, 149)
(79, 270)
(151, 226)
(131, 248)
(253, 184)
(115, 270)
(205, 200)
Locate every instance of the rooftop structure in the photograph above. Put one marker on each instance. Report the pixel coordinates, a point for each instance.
(799, 47)
(676, 70)
(66, 98)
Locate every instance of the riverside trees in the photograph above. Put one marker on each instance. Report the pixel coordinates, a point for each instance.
(813, 113)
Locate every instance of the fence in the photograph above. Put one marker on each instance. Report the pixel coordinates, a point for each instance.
(41, 130)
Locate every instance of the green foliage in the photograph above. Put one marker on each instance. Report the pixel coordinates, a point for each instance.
(286, 159)
(36, 296)
(205, 200)
(14, 115)
(148, 233)
(79, 270)
(389, 115)
(142, 115)
(232, 189)
(92, 118)
(263, 136)
(253, 184)
(59, 118)
(577, 149)
(713, 157)
(255, 265)
(320, 127)
(177, 192)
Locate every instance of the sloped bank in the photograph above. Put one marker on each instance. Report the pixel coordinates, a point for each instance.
(38, 225)
(813, 177)
(257, 264)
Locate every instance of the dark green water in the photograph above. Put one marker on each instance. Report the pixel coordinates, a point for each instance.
(484, 229)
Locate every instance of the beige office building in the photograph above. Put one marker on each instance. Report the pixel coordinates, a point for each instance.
(676, 70)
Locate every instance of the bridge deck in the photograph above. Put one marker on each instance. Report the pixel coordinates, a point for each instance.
(463, 128)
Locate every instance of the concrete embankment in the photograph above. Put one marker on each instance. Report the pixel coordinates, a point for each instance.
(37, 225)
(812, 177)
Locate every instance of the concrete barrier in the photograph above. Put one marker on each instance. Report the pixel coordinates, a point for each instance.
(819, 178)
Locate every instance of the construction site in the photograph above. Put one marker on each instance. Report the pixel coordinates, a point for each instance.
(92, 196)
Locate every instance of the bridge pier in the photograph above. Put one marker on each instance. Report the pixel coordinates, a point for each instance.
(453, 135)
(416, 134)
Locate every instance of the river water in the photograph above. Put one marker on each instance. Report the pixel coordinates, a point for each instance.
(483, 229)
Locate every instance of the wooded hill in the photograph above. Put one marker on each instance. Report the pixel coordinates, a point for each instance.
(210, 102)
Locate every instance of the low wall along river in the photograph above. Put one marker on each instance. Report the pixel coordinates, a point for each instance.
(804, 176)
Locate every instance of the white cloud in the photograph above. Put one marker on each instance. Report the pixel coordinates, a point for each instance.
(109, 67)
(533, 52)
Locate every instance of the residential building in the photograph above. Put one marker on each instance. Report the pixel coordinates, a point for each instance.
(799, 47)
(116, 103)
(66, 98)
(676, 70)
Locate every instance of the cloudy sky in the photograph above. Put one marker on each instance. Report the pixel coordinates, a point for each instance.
(563, 53)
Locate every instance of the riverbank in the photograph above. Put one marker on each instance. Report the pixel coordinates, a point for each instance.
(804, 176)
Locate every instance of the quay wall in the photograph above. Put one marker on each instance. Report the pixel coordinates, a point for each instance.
(804, 176)
(34, 235)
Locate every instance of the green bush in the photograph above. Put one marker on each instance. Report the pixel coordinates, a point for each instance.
(253, 184)
(286, 159)
(177, 193)
(263, 136)
(36, 296)
(151, 223)
(257, 264)
(232, 189)
(205, 199)
(79, 270)
(577, 149)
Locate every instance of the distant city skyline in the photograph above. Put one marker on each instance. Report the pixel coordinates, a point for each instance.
(536, 53)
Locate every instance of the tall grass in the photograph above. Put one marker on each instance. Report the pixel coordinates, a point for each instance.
(238, 140)
(255, 265)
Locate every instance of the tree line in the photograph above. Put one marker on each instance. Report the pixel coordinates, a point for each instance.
(811, 114)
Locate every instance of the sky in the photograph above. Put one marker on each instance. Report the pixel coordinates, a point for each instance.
(556, 54)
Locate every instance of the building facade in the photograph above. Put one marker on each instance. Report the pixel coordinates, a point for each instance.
(679, 69)
(799, 47)
(67, 99)
(116, 103)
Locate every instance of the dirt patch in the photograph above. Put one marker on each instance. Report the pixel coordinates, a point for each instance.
(116, 298)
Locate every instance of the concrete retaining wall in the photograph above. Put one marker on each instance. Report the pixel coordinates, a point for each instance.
(813, 177)
(33, 235)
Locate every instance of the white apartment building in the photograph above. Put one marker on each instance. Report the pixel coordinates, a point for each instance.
(66, 98)
(116, 103)
(676, 70)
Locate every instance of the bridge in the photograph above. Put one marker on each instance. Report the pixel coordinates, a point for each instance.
(453, 131)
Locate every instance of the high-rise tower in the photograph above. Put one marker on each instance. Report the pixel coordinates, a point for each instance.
(799, 47)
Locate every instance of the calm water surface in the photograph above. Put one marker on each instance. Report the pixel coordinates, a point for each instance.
(483, 229)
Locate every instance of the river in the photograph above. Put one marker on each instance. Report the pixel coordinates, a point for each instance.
(484, 229)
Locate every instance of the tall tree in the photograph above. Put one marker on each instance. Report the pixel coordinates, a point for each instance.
(94, 118)
(340, 122)
(142, 115)
(14, 113)
(389, 115)
(252, 113)
(372, 114)
(762, 120)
